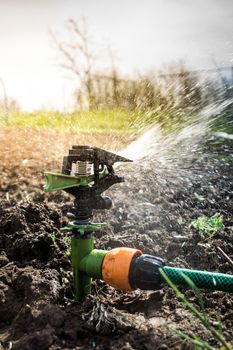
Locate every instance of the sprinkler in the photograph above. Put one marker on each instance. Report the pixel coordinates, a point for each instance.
(86, 173)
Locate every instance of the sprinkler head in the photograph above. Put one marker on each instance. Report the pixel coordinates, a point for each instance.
(86, 173)
(85, 167)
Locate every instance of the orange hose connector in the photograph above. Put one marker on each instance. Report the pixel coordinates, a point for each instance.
(116, 265)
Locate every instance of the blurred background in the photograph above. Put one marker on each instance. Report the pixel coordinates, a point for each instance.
(101, 72)
(66, 55)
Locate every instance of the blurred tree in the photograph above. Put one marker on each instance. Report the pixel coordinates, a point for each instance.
(174, 89)
(79, 58)
(190, 92)
(12, 105)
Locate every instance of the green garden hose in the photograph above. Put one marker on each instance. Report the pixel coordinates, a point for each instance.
(201, 279)
(149, 273)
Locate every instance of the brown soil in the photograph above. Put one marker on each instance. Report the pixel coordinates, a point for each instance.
(152, 211)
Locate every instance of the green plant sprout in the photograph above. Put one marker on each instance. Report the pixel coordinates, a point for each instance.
(67, 242)
(199, 197)
(54, 240)
(208, 227)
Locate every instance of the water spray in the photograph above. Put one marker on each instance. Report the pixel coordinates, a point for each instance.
(86, 173)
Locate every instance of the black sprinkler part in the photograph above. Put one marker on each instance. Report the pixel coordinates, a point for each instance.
(88, 198)
(144, 272)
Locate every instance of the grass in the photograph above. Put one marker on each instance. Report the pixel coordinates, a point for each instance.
(208, 227)
(224, 121)
(66, 241)
(200, 315)
(121, 121)
(54, 240)
(116, 120)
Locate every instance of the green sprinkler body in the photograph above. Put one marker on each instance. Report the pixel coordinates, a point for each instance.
(86, 173)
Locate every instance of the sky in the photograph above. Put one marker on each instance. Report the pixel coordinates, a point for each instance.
(143, 34)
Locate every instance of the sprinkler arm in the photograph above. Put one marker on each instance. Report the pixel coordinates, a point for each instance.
(57, 181)
(99, 181)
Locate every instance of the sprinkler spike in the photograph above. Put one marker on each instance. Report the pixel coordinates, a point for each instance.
(86, 173)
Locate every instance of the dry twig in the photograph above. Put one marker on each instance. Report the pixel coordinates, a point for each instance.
(225, 256)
